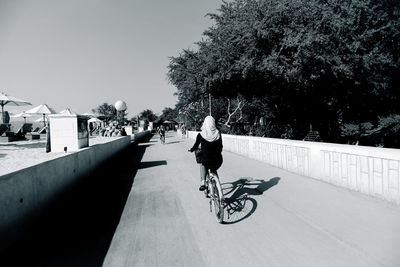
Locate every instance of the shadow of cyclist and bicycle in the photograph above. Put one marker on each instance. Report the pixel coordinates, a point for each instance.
(239, 201)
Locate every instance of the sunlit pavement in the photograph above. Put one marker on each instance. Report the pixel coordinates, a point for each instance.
(276, 218)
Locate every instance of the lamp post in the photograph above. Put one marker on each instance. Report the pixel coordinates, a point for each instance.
(209, 102)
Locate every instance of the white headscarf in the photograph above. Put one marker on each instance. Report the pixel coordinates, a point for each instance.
(209, 130)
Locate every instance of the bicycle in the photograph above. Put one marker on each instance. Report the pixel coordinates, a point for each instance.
(162, 138)
(214, 191)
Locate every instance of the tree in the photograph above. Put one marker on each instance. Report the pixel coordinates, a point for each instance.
(106, 111)
(147, 115)
(169, 114)
(192, 113)
(311, 62)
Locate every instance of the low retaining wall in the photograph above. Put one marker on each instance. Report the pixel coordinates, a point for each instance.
(370, 170)
(139, 135)
(25, 193)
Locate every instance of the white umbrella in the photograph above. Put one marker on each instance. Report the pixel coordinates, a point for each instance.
(94, 120)
(89, 114)
(41, 109)
(11, 100)
(67, 111)
(23, 115)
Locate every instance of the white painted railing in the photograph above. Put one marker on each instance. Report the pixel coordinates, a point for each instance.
(370, 170)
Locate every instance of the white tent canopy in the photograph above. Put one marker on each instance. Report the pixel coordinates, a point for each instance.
(41, 109)
(21, 115)
(67, 111)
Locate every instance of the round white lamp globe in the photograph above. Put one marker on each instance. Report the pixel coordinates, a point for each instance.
(120, 105)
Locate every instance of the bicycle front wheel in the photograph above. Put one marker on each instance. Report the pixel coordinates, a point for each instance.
(218, 200)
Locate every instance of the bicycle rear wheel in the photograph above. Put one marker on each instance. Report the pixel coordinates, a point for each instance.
(218, 200)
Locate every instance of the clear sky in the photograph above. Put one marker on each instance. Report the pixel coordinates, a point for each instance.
(82, 53)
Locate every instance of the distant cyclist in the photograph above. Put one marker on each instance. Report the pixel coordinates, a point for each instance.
(211, 148)
(161, 132)
(183, 131)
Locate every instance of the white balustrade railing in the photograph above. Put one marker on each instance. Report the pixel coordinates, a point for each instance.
(370, 170)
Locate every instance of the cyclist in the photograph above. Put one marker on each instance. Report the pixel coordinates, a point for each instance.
(211, 147)
(183, 131)
(161, 132)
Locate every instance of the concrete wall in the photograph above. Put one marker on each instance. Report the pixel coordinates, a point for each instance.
(370, 170)
(139, 135)
(25, 193)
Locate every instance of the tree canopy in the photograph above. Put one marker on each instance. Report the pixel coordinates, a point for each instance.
(147, 115)
(169, 114)
(106, 112)
(296, 63)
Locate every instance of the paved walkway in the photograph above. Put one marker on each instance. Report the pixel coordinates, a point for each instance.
(276, 218)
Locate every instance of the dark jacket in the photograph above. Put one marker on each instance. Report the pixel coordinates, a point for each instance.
(210, 151)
